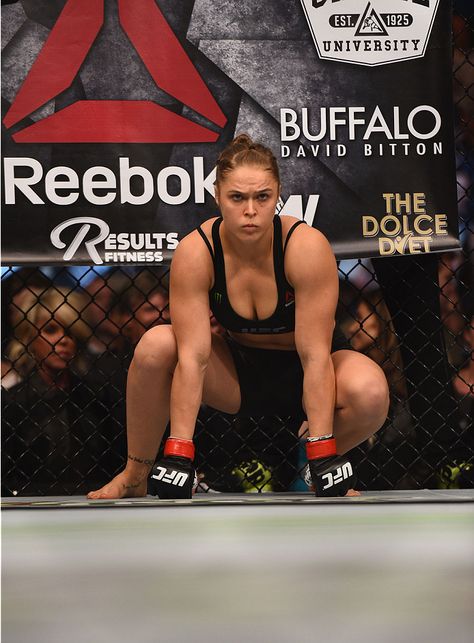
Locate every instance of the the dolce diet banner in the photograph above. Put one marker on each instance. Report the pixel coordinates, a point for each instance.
(114, 112)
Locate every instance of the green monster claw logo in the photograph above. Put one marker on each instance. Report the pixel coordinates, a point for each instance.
(253, 477)
(218, 297)
(457, 475)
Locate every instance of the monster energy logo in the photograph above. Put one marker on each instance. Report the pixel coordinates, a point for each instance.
(218, 297)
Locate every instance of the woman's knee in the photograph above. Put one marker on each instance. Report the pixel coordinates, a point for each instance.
(366, 394)
(156, 349)
(376, 395)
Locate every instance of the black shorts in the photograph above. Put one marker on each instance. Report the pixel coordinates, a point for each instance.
(271, 381)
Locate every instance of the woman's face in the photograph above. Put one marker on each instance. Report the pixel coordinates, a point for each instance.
(247, 197)
(52, 347)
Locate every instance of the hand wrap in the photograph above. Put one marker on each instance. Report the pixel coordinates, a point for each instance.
(330, 474)
(173, 476)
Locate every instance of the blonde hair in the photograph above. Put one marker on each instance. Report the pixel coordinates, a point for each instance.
(244, 151)
(58, 304)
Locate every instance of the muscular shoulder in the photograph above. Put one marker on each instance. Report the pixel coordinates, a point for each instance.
(308, 254)
(192, 261)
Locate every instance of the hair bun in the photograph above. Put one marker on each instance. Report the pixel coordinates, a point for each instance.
(243, 139)
(243, 150)
(242, 142)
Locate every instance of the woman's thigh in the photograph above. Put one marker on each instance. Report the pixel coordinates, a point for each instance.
(221, 384)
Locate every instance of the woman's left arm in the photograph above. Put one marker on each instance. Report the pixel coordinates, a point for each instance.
(312, 271)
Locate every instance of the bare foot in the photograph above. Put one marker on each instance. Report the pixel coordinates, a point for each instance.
(122, 486)
(351, 493)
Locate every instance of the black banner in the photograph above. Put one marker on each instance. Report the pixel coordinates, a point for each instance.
(114, 112)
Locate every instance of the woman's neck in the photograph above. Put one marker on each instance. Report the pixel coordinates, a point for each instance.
(252, 252)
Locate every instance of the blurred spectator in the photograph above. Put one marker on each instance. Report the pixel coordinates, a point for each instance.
(56, 432)
(20, 290)
(127, 307)
(103, 291)
(145, 304)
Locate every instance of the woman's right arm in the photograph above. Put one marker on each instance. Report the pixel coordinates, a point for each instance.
(191, 279)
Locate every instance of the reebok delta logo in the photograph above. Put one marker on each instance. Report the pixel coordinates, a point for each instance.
(378, 32)
(289, 299)
(113, 121)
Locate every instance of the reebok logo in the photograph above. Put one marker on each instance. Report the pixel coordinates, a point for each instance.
(95, 121)
(289, 298)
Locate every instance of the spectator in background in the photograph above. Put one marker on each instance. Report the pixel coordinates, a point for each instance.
(126, 307)
(109, 350)
(145, 304)
(56, 430)
(103, 292)
(20, 290)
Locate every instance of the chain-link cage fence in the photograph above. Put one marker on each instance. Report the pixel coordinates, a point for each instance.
(69, 335)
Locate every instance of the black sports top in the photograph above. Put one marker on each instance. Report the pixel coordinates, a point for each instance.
(283, 318)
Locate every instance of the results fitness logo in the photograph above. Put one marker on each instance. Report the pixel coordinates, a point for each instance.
(124, 247)
(113, 121)
(376, 33)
